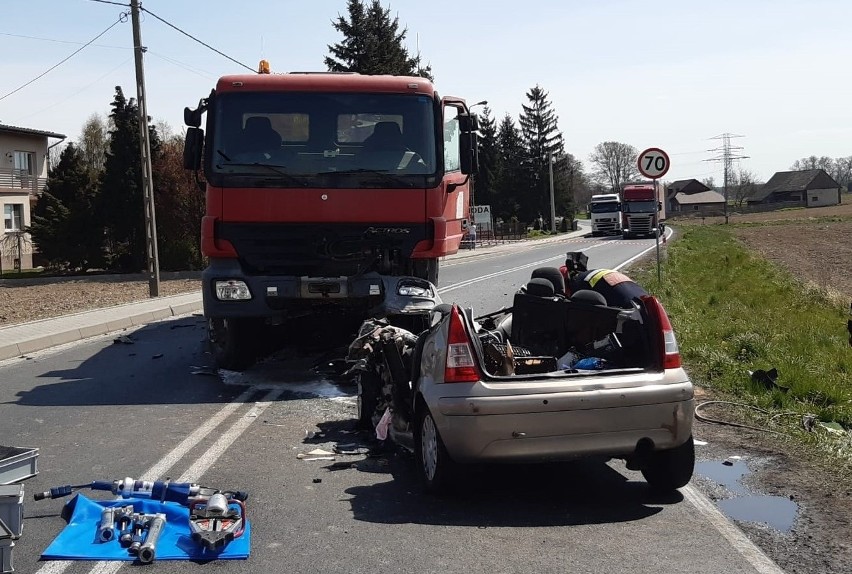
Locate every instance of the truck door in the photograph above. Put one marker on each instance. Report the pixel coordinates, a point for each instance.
(455, 185)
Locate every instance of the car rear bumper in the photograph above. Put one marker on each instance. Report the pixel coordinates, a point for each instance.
(532, 428)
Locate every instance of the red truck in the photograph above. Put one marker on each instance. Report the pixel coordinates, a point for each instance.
(323, 191)
(640, 210)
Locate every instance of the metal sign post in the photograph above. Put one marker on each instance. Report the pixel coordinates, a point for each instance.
(654, 163)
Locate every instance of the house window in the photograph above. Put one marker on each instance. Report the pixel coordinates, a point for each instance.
(814, 198)
(695, 207)
(13, 217)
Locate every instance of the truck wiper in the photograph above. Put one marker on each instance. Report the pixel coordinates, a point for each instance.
(278, 169)
(393, 179)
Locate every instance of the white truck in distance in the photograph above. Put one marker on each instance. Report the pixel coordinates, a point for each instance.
(605, 213)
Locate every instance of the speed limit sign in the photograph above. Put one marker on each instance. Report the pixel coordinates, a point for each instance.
(653, 163)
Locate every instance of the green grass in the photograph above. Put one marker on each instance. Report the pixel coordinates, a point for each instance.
(25, 274)
(734, 312)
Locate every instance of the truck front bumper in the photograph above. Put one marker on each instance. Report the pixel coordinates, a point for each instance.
(285, 296)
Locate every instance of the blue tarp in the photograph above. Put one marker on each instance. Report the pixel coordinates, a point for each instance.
(78, 541)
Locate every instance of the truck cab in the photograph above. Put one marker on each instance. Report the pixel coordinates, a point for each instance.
(640, 210)
(605, 214)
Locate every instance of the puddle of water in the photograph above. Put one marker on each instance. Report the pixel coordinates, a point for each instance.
(727, 476)
(776, 511)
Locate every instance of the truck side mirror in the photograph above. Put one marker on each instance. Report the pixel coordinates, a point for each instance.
(192, 148)
(469, 153)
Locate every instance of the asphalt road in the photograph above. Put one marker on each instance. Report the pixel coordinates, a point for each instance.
(99, 410)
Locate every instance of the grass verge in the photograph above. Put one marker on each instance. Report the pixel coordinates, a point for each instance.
(735, 312)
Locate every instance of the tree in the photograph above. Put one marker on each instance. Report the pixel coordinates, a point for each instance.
(489, 158)
(511, 177)
(372, 44)
(180, 207)
(94, 142)
(743, 186)
(543, 141)
(615, 164)
(121, 206)
(814, 162)
(709, 182)
(64, 225)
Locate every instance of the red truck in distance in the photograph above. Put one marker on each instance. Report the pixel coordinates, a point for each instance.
(325, 193)
(640, 210)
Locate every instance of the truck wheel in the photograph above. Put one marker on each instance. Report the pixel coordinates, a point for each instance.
(369, 390)
(233, 343)
(667, 470)
(434, 465)
(625, 235)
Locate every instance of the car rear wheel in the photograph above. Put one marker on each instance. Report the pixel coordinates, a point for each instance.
(233, 342)
(434, 465)
(670, 469)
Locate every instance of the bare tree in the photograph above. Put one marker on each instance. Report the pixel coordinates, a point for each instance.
(814, 162)
(94, 142)
(709, 182)
(843, 171)
(744, 186)
(614, 164)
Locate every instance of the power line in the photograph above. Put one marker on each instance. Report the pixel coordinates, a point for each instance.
(110, 2)
(62, 41)
(185, 66)
(122, 18)
(187, 34)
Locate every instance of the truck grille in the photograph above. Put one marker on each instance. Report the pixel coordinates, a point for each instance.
(641, 224)
(317, 250)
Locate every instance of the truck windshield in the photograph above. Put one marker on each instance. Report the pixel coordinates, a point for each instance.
(640, 207)
(608, 207)
(333, 139)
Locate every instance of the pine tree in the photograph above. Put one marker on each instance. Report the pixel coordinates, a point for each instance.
(512, 178)
(372, 44)
(542, 140)
(489, 157)
(64, 226)
(121, 206)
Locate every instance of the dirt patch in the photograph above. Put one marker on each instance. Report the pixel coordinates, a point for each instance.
(817, 253)
(29, 300)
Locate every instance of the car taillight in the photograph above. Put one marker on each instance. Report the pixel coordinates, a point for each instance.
(461, 366)
(668, 342)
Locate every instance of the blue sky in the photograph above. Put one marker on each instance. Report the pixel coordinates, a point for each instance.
(670, 74)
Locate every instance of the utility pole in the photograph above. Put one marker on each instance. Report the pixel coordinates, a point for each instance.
(552, 202)
(727, 154)
(153, 262)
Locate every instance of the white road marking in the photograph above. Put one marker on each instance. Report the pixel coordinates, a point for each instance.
(754, 555)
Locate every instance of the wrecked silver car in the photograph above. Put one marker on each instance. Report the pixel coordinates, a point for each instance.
(552, 378)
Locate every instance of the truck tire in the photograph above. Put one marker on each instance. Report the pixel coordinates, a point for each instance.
(436, 469)
(233, 343)
(668, 470)
(625, 235)
(369, 391)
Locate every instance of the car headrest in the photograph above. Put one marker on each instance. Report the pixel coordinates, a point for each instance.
(540, 287)
(589, 296)
(553, 275)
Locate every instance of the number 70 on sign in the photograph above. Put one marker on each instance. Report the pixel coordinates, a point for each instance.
(653, 163)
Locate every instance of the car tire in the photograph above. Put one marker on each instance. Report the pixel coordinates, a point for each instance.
(233, 343)
(434, 466)
(369, 390)
(668, 470)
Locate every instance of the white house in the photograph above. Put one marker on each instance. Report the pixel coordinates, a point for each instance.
(23, 174)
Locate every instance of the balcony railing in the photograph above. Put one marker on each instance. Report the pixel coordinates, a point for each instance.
(16, 179)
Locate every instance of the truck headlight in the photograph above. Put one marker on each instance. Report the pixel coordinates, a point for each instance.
(232, 290)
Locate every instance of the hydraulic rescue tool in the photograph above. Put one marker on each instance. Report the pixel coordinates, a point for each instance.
(216, 517)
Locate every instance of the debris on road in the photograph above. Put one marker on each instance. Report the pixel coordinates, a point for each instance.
(122, 340)
(316, 454)
(206, 371)
(157, 356)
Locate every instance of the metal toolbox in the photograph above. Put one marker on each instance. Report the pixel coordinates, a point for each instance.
(17, 463)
